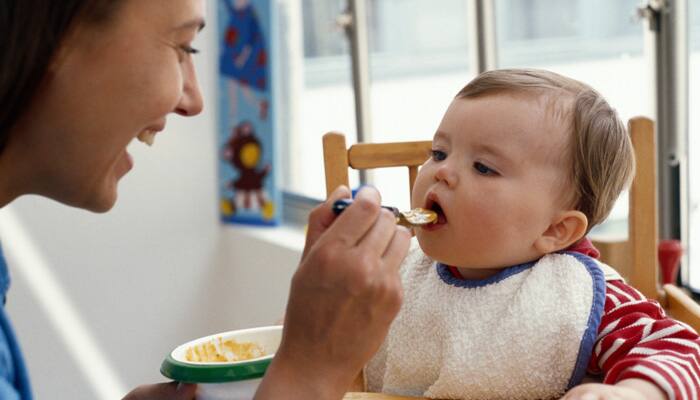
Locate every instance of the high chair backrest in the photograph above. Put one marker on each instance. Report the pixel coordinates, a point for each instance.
(634, 257)
(338, 158)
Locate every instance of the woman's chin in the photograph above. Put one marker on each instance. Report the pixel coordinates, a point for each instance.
(105, 196)
(100, 200)
(103, 207)
(98, 204)
(106, 200)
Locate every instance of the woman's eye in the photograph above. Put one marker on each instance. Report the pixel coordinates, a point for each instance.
(483, 169)
(188, 49)
(438, 155)
(191, 50)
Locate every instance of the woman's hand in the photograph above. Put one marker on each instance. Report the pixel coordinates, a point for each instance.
(343, 298)
(163, 391)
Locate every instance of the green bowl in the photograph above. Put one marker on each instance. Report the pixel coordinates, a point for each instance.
(177, 368)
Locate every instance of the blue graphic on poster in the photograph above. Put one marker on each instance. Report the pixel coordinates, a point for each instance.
(248, 190)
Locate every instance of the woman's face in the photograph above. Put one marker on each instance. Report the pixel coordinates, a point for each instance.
(107, 85)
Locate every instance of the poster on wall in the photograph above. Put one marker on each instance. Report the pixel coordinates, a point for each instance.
(247, 172)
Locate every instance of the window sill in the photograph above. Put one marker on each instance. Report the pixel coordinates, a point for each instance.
(290, 237)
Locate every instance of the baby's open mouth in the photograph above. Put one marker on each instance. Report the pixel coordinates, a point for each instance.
(435, 206)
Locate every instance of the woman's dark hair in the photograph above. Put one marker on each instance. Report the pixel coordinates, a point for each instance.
(30, 33)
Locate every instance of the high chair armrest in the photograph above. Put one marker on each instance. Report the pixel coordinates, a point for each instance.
(681, 306)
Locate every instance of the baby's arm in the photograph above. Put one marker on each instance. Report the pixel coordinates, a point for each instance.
(639, 347)
(629, 389)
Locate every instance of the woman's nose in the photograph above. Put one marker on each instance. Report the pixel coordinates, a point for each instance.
(191, 102)
(445, 173)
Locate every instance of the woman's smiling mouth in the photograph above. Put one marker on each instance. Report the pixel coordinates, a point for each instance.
(148, 135)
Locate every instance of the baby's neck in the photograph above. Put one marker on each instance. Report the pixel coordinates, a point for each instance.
(476, 273)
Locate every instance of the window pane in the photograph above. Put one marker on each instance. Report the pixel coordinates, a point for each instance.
(694, 144)
(324, 99)
(598, 42)
(419, 59)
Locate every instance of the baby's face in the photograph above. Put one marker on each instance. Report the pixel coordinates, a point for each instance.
(497, 179)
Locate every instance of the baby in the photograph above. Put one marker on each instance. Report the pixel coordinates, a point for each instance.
(504, 298)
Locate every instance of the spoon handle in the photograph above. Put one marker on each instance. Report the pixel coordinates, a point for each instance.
(340, 206)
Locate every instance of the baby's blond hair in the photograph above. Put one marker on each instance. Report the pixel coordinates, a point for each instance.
(602, 159)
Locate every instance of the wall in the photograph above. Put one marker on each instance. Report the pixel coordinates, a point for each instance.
(119, 290)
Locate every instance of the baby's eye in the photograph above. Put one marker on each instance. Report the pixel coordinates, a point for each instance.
(483, 169)
(438, 155)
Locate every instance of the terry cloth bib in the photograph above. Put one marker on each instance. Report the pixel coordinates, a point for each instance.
(526, 333)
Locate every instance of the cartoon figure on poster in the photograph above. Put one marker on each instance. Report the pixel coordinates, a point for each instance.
(243, 151)
(246, 136)
(244, 57)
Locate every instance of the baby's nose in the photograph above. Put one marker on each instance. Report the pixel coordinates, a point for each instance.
(446, 174)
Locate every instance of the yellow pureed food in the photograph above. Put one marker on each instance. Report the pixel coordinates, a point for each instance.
(219, 350)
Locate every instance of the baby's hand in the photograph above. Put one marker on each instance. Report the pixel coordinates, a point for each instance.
(599, 391)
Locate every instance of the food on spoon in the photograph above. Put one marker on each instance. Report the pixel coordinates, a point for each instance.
(420, 216)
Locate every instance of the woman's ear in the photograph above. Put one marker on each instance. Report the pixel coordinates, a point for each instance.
(76, 37)
(565, 230)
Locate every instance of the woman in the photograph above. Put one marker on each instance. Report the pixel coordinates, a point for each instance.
(80, 79)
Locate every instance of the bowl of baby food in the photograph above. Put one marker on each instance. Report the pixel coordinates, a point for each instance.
(226, 366)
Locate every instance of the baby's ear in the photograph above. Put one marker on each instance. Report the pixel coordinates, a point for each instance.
(565, 230)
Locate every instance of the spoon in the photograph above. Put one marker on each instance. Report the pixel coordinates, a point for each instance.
(412, 218)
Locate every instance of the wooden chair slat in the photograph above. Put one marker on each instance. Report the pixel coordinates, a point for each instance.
(383, 155)
(335, 161)
(681, 307)
(615, 252)
(643, 219)
(412, 175)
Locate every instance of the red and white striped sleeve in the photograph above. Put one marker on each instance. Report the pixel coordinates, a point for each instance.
(637, 340)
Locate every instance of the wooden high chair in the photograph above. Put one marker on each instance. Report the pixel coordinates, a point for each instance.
(634, 257)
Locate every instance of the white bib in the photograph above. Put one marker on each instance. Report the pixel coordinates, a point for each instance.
(526, 333)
